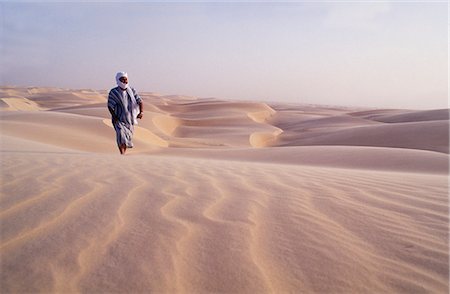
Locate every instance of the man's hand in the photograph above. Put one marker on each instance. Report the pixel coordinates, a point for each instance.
(140, 115)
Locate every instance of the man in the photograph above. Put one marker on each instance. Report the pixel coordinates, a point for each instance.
(125, 106)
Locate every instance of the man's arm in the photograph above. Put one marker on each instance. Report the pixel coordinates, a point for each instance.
(141, 109)
(139, 101)
(114, 117)
(112, 106)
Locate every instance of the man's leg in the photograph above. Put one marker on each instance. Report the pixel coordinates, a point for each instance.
(122, 149)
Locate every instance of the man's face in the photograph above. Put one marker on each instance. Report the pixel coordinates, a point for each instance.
(124, 80)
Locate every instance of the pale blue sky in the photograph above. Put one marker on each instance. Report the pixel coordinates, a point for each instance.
(382, 54)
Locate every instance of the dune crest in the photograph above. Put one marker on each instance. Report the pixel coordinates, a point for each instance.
(21, 104)
(166, 124)
(262, 116)
(264, 139)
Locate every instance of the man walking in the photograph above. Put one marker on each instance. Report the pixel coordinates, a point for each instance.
(125, 107)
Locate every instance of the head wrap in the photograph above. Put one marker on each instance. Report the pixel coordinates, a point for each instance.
(119, 83)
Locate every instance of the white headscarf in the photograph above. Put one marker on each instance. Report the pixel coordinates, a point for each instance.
(119, 83)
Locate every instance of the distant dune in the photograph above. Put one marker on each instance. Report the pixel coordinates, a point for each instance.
(221, 196)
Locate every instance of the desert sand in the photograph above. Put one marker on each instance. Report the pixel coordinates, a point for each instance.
(221, 196)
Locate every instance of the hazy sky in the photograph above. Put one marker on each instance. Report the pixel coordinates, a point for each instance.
(383, 54)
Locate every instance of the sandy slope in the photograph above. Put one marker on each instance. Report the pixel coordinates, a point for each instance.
(340, 200)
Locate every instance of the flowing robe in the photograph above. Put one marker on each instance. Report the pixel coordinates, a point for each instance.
(125, 105)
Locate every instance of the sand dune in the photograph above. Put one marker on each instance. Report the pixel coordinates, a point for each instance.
(426, 135)
(331, 200)
(83, 133)
(397, 116)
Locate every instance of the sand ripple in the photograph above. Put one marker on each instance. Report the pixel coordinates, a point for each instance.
(149, 223)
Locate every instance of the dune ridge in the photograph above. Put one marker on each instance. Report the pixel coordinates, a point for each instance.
(220, 196)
